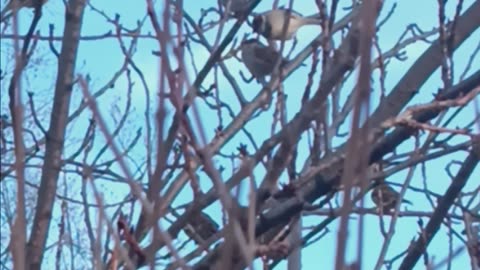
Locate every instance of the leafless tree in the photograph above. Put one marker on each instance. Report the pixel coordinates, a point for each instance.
(135, 140)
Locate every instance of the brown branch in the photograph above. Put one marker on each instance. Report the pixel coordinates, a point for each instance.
(56, 133)
(431, 128)
(17, 112)
(125, 232)
(424, 67)
(436, 105)
(357, 146)
(320, 180)
(388, 143)
(61, 236)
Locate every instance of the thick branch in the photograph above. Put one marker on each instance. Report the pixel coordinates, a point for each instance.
(56, 133)
(389, 143)
(328, 172)
(424, 67)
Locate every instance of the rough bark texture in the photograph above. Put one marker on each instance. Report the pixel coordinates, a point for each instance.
(56, 134)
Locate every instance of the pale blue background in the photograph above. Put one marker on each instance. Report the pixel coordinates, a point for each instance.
(101, 58)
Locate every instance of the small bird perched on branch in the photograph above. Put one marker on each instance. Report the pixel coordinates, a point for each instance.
(15, 5)
(237, 7)
(201, 227)
(385, 197)
(259, 59)
(271, 23)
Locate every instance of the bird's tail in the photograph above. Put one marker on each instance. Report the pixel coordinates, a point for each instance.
(311, 21)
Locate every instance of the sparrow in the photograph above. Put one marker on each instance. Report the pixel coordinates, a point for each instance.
(236, 7)
(201, 227)
(271, 23)
(385, 197)
(259, 59)
(15, 5)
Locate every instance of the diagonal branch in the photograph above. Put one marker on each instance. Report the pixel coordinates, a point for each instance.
(321, 179)
(418, 248)
(56, 133)
(424, 67)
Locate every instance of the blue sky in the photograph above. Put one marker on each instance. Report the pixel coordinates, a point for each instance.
(100, 59)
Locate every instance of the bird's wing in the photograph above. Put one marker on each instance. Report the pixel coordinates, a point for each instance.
(267, 55)
(386, 194)
(290, 11)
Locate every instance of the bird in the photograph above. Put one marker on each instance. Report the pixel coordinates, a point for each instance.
(270, 24)
(385, 197)
(15, 5)
(259, 59)
(236, 7)
(201, 227)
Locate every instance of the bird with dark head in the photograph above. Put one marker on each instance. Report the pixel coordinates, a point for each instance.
(385, 197)
(271, 23)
